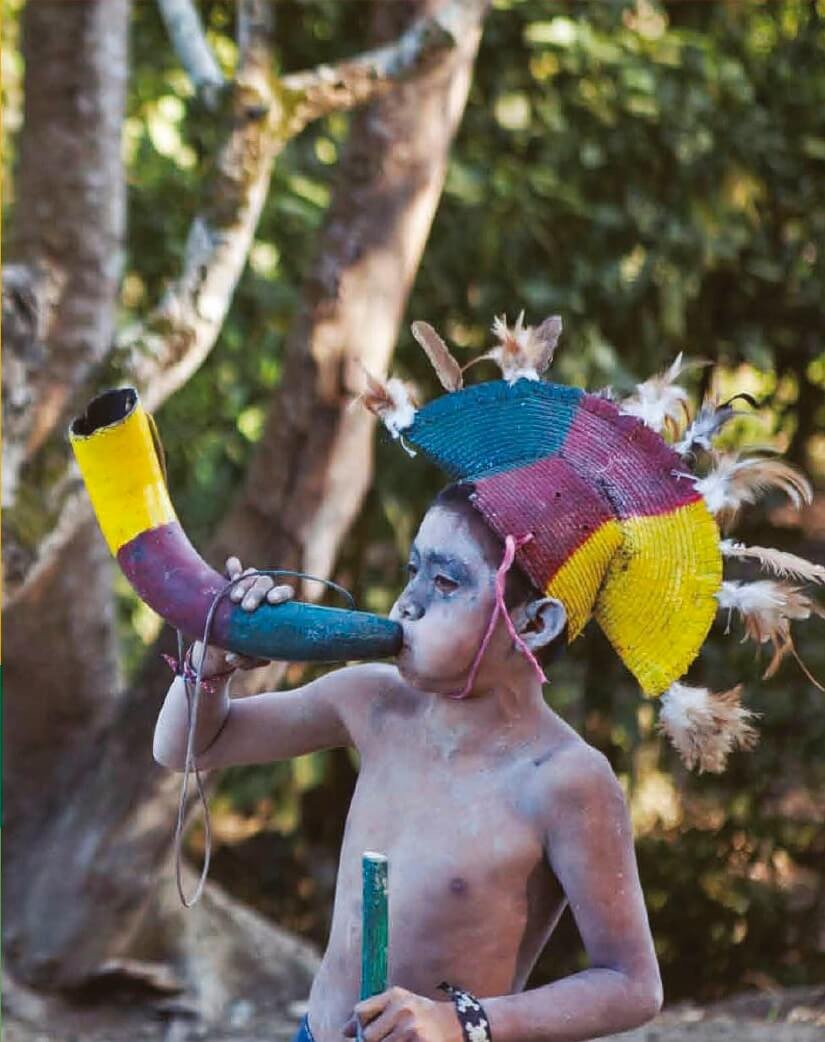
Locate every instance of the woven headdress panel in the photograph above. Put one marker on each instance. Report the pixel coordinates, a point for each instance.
(617, 535)
(614, 509)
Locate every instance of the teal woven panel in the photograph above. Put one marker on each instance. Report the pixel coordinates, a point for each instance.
(494, 426)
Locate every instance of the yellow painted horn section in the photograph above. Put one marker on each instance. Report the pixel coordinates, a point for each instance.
(120, 466)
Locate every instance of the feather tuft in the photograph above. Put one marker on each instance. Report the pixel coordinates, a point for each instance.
(767, 609)
(446, 367)
(660, 402)
(779, 562)
(704, 726)
(390, 400)
(523, 352)
(736, 481)
(711, 418)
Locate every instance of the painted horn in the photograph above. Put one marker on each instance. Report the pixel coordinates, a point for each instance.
(114, 447)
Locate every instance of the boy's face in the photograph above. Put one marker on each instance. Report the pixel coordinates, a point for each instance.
(445, 607)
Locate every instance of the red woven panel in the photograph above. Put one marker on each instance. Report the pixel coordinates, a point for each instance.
(549, 499)
(629, 461)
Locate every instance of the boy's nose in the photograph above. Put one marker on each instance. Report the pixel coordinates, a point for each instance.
(410, 610)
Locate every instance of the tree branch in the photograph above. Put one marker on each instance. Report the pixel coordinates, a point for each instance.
(161, 353)
(189, 40)
(332, 88)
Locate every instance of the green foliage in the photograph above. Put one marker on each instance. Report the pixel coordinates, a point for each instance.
(656, 175)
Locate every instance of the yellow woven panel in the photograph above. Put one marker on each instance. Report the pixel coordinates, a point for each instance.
(123, 477)
(577, 582)
(657, 602)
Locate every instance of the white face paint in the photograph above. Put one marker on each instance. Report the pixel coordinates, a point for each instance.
(446, 603)
(446, 606)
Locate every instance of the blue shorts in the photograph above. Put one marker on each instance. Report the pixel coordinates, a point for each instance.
(303, 1034)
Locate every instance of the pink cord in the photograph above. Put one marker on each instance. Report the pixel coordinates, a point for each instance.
(510, 546)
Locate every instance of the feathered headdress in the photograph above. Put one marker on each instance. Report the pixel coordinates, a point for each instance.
(616, 508)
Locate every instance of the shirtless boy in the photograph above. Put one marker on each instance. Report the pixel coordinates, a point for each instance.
(493, 812)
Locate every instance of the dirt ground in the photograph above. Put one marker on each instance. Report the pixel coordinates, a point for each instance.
(127, 1015)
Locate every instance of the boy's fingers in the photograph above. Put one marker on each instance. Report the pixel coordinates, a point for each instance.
(240, 589)
(233, 567)
(381, 1026)
(279, 594)
(256, 592)
(197, 653)
(237, 661)
(253, 663)
(368, 1009)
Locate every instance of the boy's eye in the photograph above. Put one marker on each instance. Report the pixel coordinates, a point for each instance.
(410, 568)
(444, 584)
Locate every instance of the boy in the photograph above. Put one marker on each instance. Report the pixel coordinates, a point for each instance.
(493, 812)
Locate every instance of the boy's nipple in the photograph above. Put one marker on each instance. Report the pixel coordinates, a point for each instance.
(459, 886)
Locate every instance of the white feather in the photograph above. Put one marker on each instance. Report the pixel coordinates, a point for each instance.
(710, 419)
(659, 400)
(390, 400)
(781, 563)
(750, 598)
(734, 482)
(402, 413)
(705, 726)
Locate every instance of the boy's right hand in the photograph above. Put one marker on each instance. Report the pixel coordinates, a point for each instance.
(249, 593)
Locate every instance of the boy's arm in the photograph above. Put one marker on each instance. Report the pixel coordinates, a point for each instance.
(275, 725)
(589, 843)
(271, 726)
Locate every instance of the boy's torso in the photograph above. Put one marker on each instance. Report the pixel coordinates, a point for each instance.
(472, 898)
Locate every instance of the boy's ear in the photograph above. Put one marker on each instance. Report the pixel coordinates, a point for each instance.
(542, 620)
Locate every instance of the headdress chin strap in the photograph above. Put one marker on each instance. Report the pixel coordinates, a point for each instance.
(511, 544)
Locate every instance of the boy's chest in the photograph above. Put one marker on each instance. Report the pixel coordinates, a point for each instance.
(454, 836)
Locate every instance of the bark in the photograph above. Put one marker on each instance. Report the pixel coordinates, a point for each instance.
(113, 821)
(189, 40)
(24, 356)
(223, 956)
(69, 219)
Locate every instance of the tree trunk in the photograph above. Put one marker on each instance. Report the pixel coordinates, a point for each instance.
(67, 240)
(112, 831)
(70, 212)
(60, 663)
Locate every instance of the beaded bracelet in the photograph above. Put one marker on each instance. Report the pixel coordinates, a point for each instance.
(474, 1023)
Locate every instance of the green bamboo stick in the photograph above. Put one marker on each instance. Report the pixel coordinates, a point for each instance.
(374, 922)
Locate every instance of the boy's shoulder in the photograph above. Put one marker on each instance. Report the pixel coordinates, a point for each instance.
(371, 678)
(577, 778)
(363, 689)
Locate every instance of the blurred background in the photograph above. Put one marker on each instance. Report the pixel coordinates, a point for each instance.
(653, 172)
